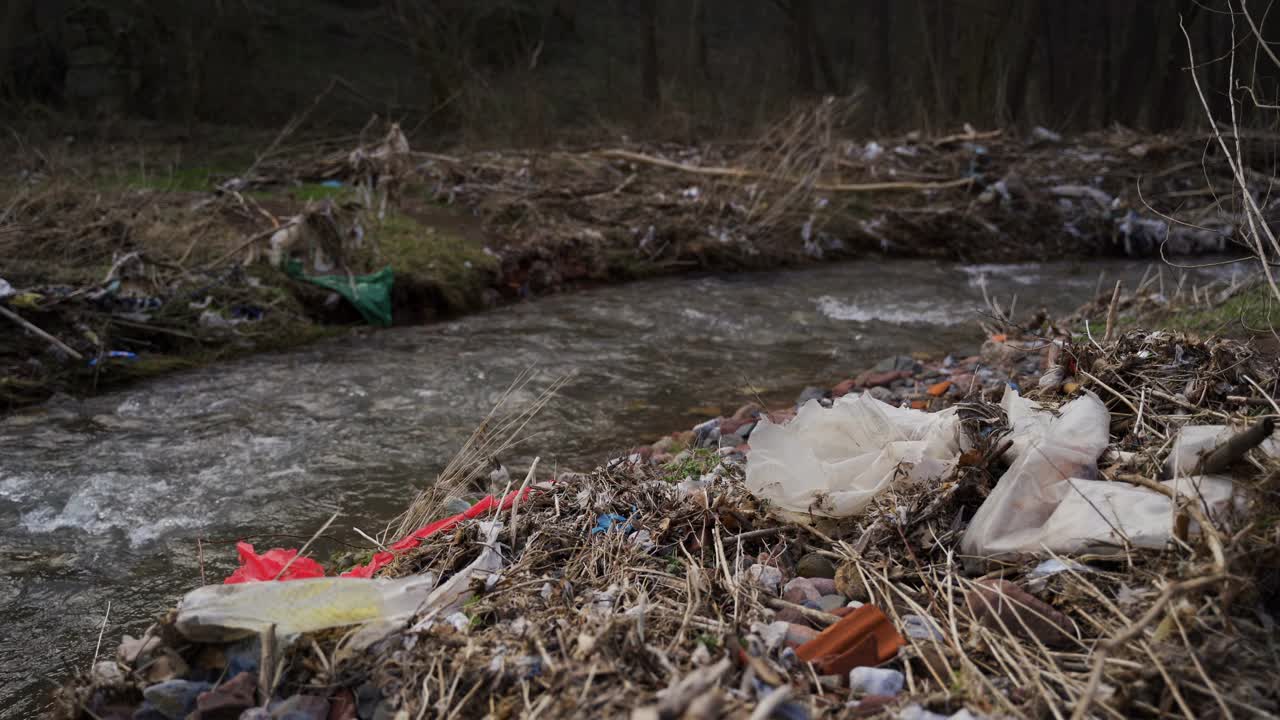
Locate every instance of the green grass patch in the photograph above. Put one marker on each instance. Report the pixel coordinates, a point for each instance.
(425, 255)
(1249, 312)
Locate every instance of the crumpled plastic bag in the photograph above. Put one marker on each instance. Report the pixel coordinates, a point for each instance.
(1194, 441)
(834, 461)
(223, 613)
(1051, 499)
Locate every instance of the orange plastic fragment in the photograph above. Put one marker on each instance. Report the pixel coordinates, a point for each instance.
(919, 405)
(940, 389)
(1000, 338)
(865, 637)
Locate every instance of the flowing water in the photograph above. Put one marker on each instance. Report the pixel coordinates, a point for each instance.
(102, 501)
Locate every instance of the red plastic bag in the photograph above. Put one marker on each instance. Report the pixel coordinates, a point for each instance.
(265, 567)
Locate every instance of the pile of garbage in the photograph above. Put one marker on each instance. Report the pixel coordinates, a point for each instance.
(1098, 544)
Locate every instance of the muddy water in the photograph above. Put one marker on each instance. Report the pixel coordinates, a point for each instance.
(102, 501)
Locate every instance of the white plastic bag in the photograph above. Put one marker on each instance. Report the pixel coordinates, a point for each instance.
(834, 461)
(1050, 497)
(1049, 450)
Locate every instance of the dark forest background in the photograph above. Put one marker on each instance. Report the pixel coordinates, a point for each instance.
(534, 70)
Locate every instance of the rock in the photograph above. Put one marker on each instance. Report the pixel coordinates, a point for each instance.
(918, 627)
(799, 634)
(791, 615)
(884, 395)
(175, 699)
(814, 565)
(871, 706)
(245, 655)
(747, 412)
(876, 681)
(824, 586)
(765, 577)
(1001, 605)
(735, 427)
(831, 603)
(368, 697)
(148, 711)
(167, 666)
(301, 707)
(800, 591)
(812, 393)
(228, 700)
(844, 387)
(897, 362)
(871, 379)
(132, 651)
(256, 713)
(663, 445)
(849, 582)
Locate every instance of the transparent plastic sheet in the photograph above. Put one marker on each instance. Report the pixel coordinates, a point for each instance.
(222, 613)
(834, 461)
(1050, 498)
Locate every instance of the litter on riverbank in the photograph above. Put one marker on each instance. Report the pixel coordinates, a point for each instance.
(113, 279)
(668, 584)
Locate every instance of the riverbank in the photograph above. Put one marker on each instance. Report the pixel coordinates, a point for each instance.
(675, 582)
(139, 267)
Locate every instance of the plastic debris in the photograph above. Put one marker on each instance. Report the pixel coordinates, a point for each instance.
(1050, 499)
(835, 461)
(114, 355)
(609, 521)
(220, 613)
(864, 637)
(274, 564)
(5, 289)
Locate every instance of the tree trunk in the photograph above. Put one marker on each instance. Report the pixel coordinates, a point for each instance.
(884, 46)
(649, 86)
(1015, 94)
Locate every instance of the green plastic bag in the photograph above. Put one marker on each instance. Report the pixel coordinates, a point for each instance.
(370, 294)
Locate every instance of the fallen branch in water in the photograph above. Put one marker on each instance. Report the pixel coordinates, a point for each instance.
(744, 173)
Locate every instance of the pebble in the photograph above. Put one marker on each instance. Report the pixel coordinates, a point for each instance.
(829, 603)
(768, 578)
(798, 634)
(884, 395)
(814, 565)
(301, 707)
(918, 627)
(748, 411)
(229, 699)
(175, 699)
(799, 591)
(876, 681)
(132, 650)
(824, 586)
(844, 388)
(812, 393)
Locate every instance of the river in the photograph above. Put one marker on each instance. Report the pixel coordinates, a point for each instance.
(102, 500)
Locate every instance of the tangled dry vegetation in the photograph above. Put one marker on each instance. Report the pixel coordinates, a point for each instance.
(673, 609)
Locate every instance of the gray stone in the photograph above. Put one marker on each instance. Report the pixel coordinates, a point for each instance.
(831, 603)
(812, 393)
(301, 707)
(175, 699)
(883, 394)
